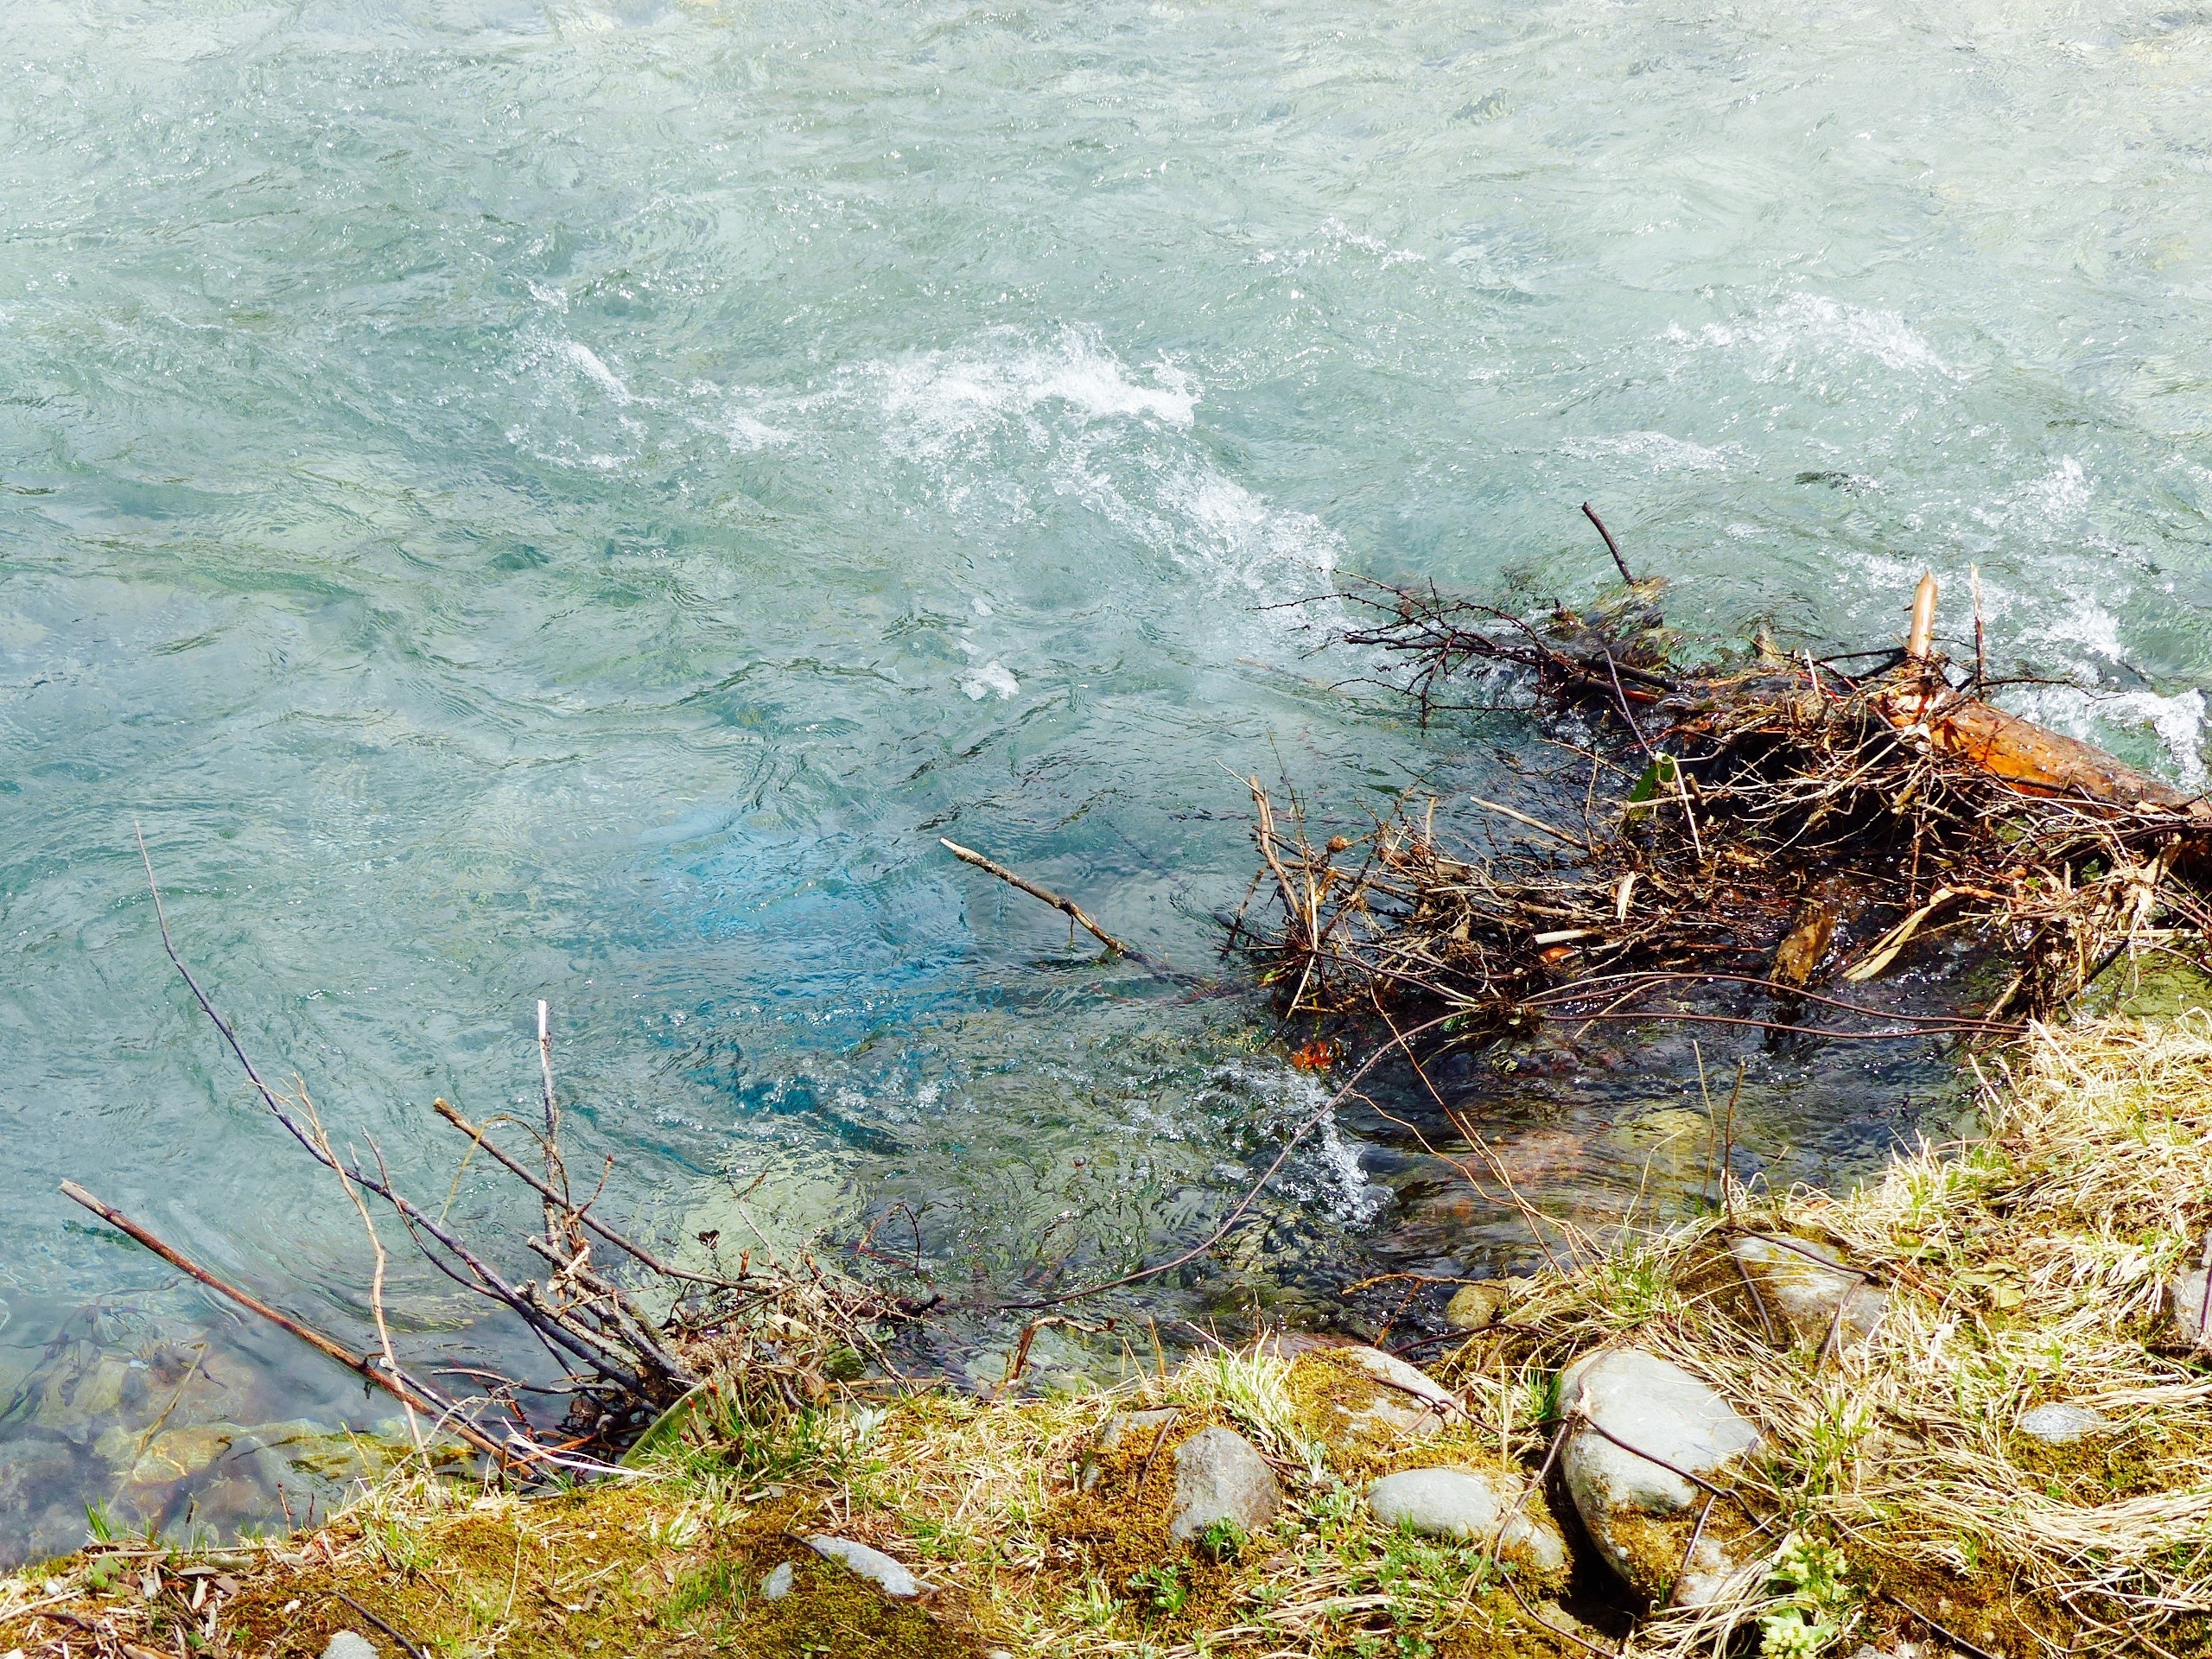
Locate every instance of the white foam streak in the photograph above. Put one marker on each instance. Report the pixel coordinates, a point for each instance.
(1815, 327)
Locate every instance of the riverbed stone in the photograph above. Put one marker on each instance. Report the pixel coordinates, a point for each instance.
(1220, 1476)
(2060, 1423)
(349, 1645)
(1805, 1289)
(2185, 1293)
(1471, 1506)
(1409, 1400)
(894, 1579)
(1640, 1512)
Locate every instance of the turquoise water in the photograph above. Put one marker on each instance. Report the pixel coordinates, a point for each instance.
(571, 501)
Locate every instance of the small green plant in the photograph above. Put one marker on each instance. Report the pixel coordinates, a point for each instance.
(1162, 1588)
(1335, 1509)
(1253, 1389)
(1811, 1575)
(1091, 1603)
(1224, 1540)
(100, 1523)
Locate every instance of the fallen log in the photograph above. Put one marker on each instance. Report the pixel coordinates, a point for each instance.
(2030, 759)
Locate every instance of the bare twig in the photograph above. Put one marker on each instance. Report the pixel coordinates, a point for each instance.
(393, 1384)
(1612, 546)
(1074, 911)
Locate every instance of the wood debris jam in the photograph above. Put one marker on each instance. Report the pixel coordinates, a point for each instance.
(1773, 822)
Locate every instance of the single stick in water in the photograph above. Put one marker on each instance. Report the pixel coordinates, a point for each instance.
(556, 1178)
(1980, 647)
(401, 1391)
(1922, 632)
(1612, 546)
(1074, 911)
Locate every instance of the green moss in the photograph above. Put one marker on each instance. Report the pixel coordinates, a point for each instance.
(830, 1612)
(2143, 1457)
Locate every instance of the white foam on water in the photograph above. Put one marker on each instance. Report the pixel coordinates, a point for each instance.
(2058, 499)
(935, 402)
(1337, 231)
(749, 432)
(1818, 326)
(1329, 1170)
(1355, 1198)
(1656, 450)
(1222, 531)
(594, 369)
(2176, 721)
(993, 677)
(1111, 437)
(2086, 624)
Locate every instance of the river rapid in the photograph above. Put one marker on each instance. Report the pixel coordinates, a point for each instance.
(571, 501)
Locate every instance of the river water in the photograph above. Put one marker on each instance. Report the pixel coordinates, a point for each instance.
(531, 500)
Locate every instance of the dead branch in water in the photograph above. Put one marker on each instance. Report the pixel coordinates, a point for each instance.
(767, 1330)
(412, 1395)
(1067, 907)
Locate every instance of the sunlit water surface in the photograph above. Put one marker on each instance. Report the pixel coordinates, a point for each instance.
(565, 501)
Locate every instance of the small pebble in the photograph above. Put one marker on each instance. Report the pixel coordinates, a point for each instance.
(348, 1644)
(777, 1583)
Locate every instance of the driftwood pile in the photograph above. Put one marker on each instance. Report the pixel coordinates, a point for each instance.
(1784, 824)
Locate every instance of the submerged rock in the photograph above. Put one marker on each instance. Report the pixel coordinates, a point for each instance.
(1639, 1513)
(2060, 1423)
(1804, 1289)
(873, 1564)
(1220, 1476)
(1470, 1506)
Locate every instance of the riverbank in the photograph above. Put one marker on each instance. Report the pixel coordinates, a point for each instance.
(1958, 1407)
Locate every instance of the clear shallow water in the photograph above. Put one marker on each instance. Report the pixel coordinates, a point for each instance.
(571, 501)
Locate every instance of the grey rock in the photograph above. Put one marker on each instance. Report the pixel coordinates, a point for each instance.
(1219, 1476)
(348, 1644)
(1408, 1402)
(2061, 1424)
(1463, 1505)
(777, 1583)
(1124, 1422)
(2186, 1292)
(1806, 1289)
(894, 1580)
(1638, 1511)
